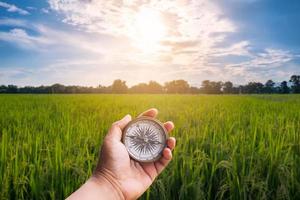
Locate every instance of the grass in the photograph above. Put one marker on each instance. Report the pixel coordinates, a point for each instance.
(229, 147)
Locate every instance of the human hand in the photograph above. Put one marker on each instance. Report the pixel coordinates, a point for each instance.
(127, 177)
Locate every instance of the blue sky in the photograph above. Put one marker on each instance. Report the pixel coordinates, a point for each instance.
(94, 42)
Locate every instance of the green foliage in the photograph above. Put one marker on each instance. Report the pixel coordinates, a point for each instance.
(119, 86)
(177, 86)
(295, 80)
(228, 147)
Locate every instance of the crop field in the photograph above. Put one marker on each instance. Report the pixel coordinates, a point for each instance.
(228, 147)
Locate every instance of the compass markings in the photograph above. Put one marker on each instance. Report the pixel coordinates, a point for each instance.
(144, 140)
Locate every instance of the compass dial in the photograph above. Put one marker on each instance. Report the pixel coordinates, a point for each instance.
(145, 138)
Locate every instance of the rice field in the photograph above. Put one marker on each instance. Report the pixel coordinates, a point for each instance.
(228, 147)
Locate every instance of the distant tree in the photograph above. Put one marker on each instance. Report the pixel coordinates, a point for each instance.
(269, 87)
(12, 89)
(211, 87)
(3, 89)
(284, 88)
(205, 86)
(253, 88)
(57, 88)
(27, 89)
(103, 89)
(177, 86)
(71, 89)
(217, 86)
(81, 89)
(139, 88)
(119, 86)
(295, 80)
(228, 87)
(152, 87)
(194, 90)
(236, 90)
(155, 87)
(42, 89)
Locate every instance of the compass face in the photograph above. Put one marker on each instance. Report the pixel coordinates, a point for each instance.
(145, 138)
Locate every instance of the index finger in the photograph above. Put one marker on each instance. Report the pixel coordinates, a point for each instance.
(152, 112)
(169, 126)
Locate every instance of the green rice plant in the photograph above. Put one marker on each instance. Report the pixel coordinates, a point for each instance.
(228, 147)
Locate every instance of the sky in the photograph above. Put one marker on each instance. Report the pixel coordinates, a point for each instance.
(92, 42)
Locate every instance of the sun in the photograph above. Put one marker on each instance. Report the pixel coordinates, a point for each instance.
(149, 29)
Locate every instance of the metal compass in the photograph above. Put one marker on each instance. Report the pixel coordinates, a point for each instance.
(145, 138)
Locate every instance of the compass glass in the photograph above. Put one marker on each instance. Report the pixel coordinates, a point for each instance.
(145, 139)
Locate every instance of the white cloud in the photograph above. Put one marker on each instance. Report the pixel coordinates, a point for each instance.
(21, 38)
(236, 49)
(48, 39)
(31, 8)
(191, 27)
(268, 58)
(45, 10)
(270, 63)
(264, 65)
(13, 22)
(13, 8)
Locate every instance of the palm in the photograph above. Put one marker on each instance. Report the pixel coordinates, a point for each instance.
(134, 177)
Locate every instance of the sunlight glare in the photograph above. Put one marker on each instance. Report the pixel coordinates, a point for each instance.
(150, 29)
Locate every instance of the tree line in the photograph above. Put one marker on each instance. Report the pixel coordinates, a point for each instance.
(175, 86)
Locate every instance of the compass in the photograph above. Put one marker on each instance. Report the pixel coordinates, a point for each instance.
(145, 138)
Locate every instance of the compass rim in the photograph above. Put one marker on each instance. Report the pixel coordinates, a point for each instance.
(156, 121)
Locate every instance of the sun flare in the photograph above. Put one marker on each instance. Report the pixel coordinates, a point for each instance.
(149, 29)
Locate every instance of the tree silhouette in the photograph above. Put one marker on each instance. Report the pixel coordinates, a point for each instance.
(155, 87)
(211, 87)
(174, 86)
(284, 88)
(139, 88)
(12, 89)
(119, 86)
(295, 80)
(228, 87)
(269, 87)
(177, 86)
(253, 88)
(152, 87)
(3, 89)
(57, 88)
(194, 90)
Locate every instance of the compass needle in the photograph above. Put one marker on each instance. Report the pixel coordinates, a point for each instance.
(145, 139)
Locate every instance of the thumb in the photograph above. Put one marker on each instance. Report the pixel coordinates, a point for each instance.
(117, 127)
(123, 122)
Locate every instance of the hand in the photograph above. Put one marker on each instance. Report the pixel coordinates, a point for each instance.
(117, 176)
(129, 177)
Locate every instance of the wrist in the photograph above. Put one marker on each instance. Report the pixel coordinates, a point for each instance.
(106, 182)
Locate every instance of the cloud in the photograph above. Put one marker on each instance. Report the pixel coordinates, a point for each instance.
(21, 38)
(45, 10)
(191, 27)
(31, 8)
(270, 63)
(13, 8)
(269, 58)
(47, 39)
(241, 48)
(13, 22)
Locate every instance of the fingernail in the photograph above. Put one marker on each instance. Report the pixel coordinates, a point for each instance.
(156, 110)
(127, 117)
